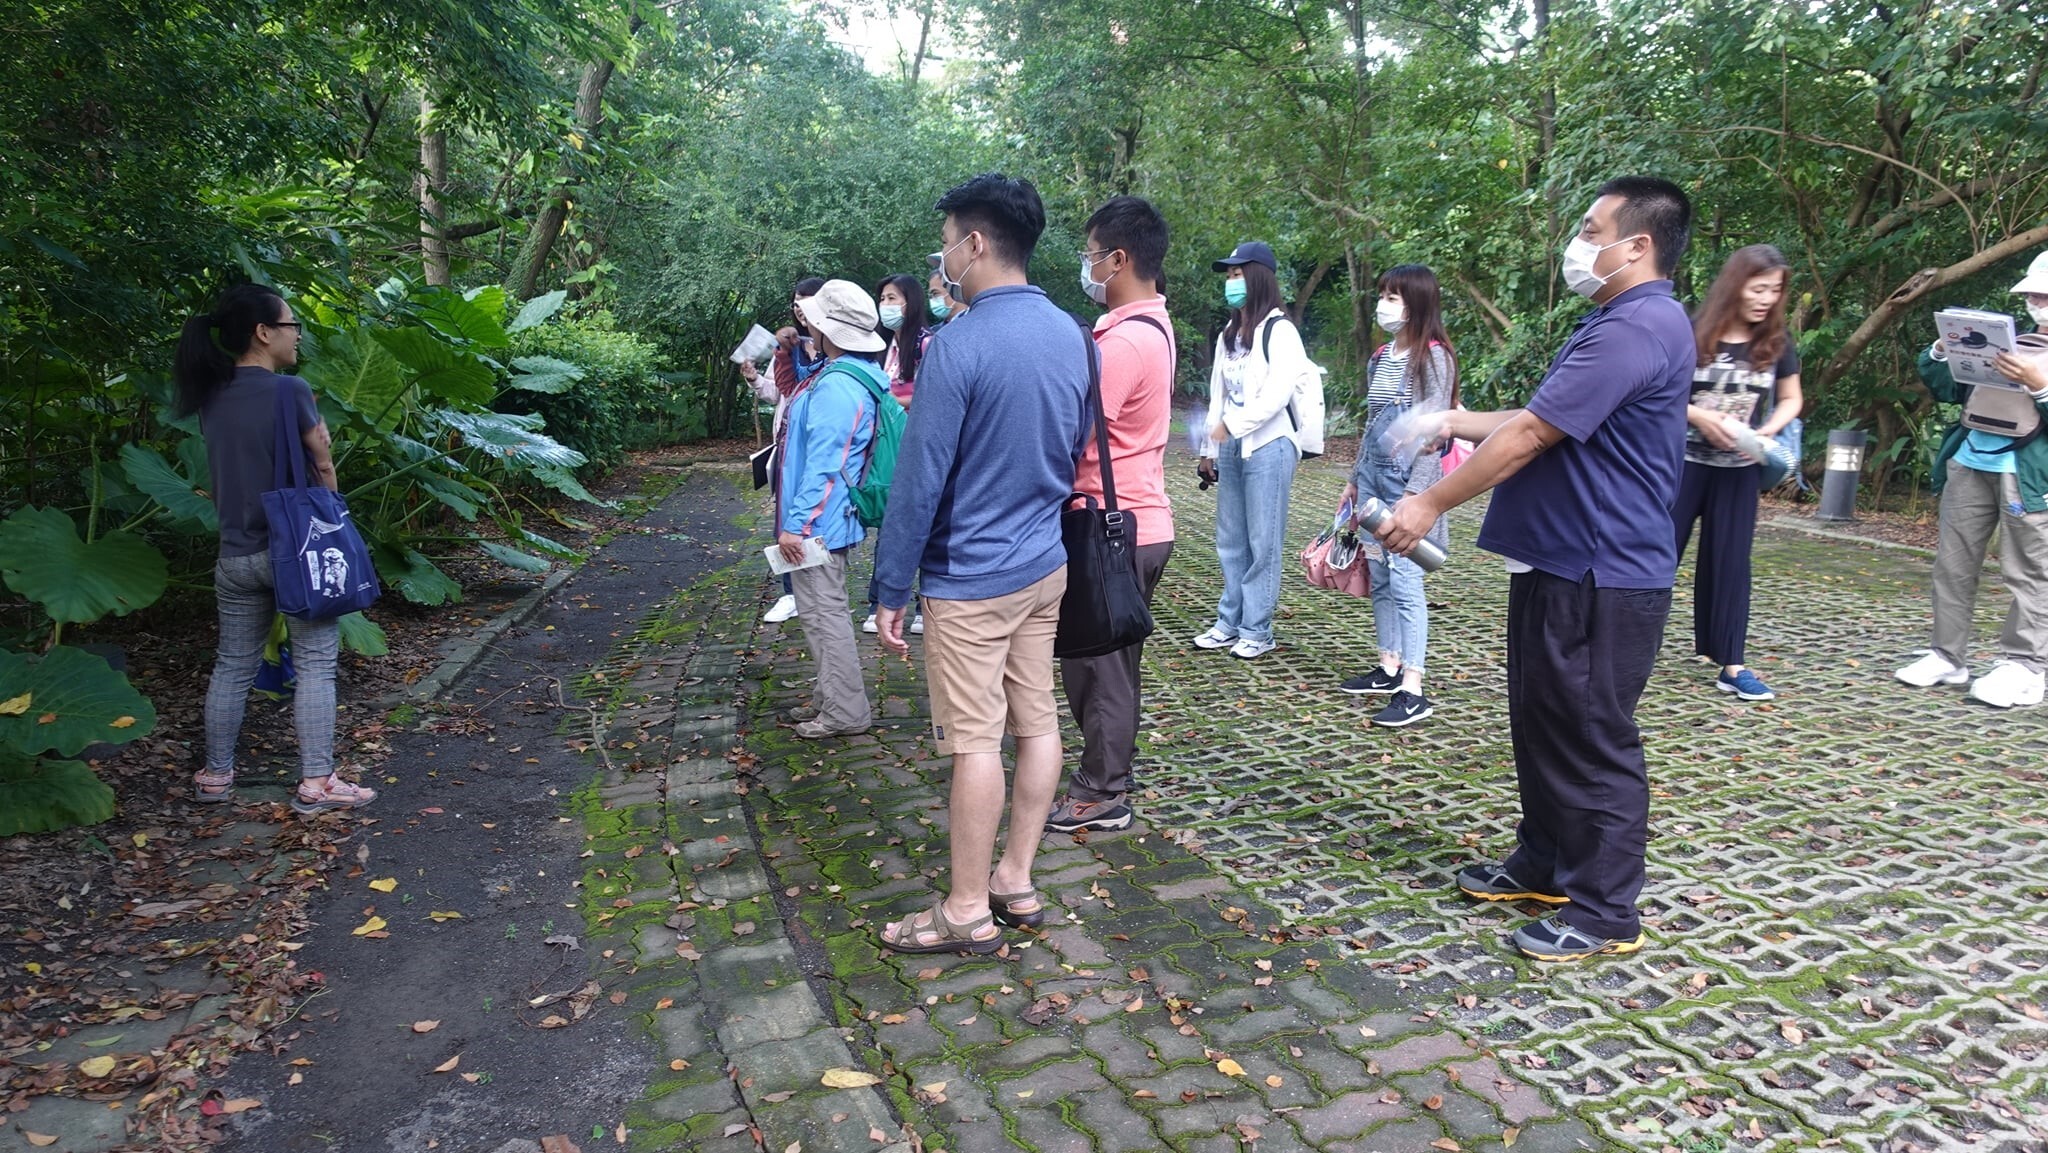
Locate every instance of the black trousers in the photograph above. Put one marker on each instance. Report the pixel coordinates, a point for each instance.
(1104, 695)
(1578, 658)
(1724, 501)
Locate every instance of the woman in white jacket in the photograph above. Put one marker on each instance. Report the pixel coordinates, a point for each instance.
(1254, 438)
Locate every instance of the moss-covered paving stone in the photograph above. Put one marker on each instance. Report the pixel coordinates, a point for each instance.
(1843, 903)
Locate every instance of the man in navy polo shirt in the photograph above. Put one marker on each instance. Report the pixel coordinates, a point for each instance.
(1586, 475)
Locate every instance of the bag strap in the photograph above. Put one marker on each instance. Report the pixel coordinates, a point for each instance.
(1094, 356)
(287, 454)
(1266, 336)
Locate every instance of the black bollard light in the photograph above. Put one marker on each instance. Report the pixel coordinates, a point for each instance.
(1845, 469)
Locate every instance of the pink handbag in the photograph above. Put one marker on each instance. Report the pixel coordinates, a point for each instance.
(1336, 560)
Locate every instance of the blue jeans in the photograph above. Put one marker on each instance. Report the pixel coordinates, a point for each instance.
(1400, 613)
(1251, 533)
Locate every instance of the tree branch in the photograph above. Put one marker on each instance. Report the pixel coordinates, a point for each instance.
(1973, 189)
(1917, 286)
(1975, 231)
(1503, 323)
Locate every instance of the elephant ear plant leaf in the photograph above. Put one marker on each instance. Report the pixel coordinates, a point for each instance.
(61, 702)
(75, 580)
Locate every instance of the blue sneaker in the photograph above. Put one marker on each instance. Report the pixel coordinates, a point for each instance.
(1746, 685)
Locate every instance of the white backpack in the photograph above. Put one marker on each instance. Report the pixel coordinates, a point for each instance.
(1306, 410)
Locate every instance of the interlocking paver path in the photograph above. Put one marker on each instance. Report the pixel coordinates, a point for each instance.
(1846, 941)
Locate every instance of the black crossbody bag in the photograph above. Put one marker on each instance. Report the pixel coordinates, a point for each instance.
(1104, 607)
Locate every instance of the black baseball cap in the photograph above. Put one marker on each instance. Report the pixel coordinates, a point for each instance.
(1250, 252)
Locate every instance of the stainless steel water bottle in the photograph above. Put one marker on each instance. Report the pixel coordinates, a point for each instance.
(1373, 512)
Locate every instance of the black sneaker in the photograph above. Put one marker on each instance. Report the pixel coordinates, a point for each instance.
(1405, 709)
(1377, 683)
(1072, 815)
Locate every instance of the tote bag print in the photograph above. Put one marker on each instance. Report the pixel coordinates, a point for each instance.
(319, 566)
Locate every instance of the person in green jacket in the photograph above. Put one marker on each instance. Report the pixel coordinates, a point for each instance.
(1981, 475)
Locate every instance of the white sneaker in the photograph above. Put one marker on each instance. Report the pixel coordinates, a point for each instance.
(1930, 670)
(1247, 649)
(782, 611)
(1215, 638)
(868, 625)
(2009, 685)
(917, 624)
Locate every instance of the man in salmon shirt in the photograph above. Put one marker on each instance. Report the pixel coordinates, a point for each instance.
(1120, 269)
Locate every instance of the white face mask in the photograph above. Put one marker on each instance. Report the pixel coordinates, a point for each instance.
(1097, 290)
(1579, 257)
(1391, 314)
(938, 263)
(2040, 314)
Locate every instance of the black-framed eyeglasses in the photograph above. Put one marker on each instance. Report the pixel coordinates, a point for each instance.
(284, 324)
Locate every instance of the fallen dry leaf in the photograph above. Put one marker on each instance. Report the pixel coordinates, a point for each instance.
(438, 917)
(472, 1078)
(619, 1134)
(38, 1140)
(96, 1066)
(931, 974)
(559, 1143)
(239, 1105)
(664, 1003)
(848, 1079)
(1273, 1081)
(877, 1136)
(1445, 1144)
(121, 723)
(551, 1021)
(14, 707)
(425, 1026)
(1791, 1032)
(449, 1065)
(385, 884)
(1509, 1136)
(1435, 1101)
(679, 1064)
(1229, 1068)
(373, 925)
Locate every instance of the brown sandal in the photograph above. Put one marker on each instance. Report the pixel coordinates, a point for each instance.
(1003, 907)
(953, 937)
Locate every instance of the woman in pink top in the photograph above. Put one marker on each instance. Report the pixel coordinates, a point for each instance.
(905, 324)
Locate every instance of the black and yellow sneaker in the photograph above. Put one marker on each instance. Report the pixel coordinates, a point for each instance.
(1551, 939)
(1492, 882)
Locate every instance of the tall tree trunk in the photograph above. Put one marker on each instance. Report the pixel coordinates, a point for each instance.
(924, 39)
(540, 243)
(433, 185)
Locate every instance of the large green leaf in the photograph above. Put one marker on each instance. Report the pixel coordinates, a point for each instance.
(563, 481)
(185, 497)
(415, 577)
(544, 374)
(537, 310)
(459, 497)
(512, 437)
(460, 319)
(438, 367)
(552, 548)
(73, 699)
(523, 561)
(43, 559)
(39, 796)
(360, 634)
(360, 373)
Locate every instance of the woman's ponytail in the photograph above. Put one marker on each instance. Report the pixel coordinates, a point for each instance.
(210, 343)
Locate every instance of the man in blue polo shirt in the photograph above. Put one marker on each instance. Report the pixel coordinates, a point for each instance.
(1586, 477)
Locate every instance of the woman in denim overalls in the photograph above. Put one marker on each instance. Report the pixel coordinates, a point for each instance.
(1415, 371)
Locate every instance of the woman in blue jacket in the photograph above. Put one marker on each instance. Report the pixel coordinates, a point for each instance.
(829, 430)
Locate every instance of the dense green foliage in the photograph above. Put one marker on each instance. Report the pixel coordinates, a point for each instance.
(645, 180)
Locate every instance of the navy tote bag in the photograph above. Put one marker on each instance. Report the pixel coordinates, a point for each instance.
(318, 562)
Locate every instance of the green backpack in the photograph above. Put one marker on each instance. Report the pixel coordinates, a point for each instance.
(871, 495)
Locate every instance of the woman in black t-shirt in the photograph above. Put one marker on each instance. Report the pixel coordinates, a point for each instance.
(1744, 392)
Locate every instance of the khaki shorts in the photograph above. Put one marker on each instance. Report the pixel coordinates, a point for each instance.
(990, 666)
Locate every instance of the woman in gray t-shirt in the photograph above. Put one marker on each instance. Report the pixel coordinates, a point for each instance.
(228, 370)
